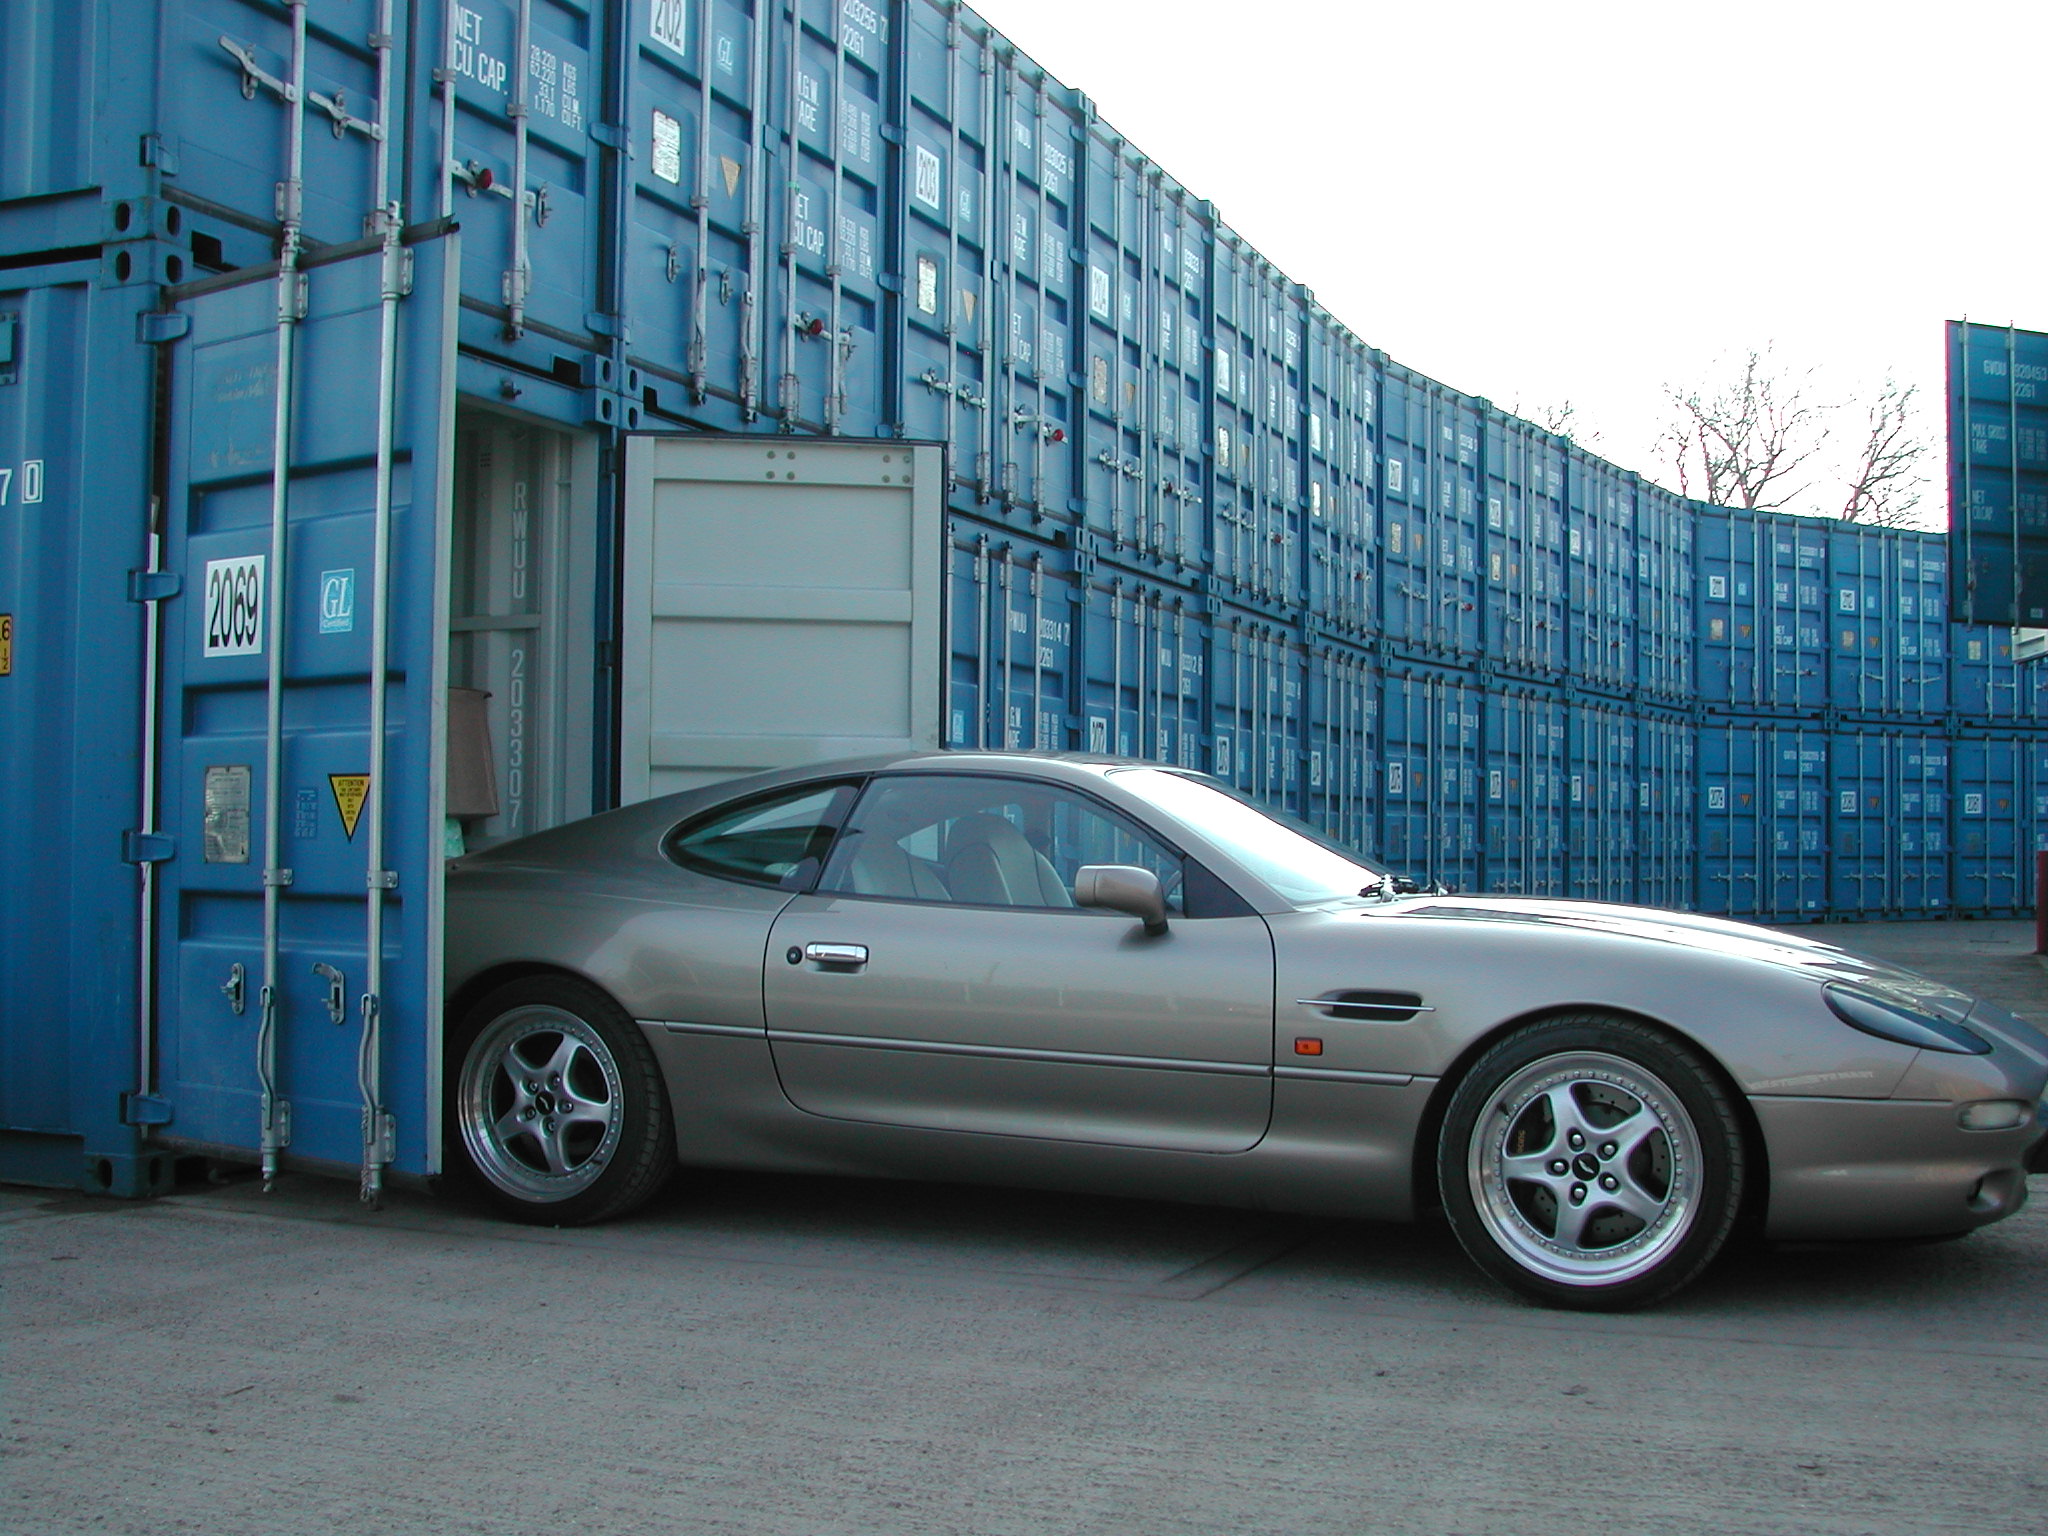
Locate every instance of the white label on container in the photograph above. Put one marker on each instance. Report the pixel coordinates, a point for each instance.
(925, 184)
(1396, 778)
(1717, 586)
(1846, 598)
(1098, 293)
(1973, 805)
(668, 149)
(927, 285)
(1717, 797)
(1395, 474)
(1222, 371)
(668, 23)
(234, 606)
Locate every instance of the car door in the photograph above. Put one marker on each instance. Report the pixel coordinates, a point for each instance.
(941, 976)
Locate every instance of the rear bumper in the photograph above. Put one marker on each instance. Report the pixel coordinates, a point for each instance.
(1878, 1168)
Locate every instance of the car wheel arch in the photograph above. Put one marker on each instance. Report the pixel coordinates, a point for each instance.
(485, 982)
(1423, 1166)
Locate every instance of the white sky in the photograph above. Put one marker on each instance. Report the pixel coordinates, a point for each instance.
(1587, 201)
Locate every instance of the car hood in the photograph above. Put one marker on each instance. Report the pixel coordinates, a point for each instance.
(1822, 961)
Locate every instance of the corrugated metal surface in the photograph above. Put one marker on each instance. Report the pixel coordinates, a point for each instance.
(1998, 473)
(71, 669)
(1190, 515)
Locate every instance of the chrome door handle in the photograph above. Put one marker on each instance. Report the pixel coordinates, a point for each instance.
(849, 956)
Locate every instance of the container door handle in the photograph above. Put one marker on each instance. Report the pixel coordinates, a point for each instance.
(837, 957)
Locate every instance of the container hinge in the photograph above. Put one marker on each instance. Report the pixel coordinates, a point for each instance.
(154, 586)
(160, 153)
(890, 282)
(600, 324)
(610, 135)
(148, 847)
(382, 880)
(156, 329)
(145, 1109)
(891, 134)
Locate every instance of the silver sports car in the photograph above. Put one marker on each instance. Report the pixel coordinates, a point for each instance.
(1086, 974)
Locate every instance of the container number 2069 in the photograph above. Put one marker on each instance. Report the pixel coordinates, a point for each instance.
(234, 606)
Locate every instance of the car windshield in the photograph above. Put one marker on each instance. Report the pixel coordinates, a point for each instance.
(1297, 863)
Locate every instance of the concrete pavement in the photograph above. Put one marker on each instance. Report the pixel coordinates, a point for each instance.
(763, 1355)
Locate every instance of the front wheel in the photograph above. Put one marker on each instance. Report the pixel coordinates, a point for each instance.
(557, 1105)
(1591, 1163)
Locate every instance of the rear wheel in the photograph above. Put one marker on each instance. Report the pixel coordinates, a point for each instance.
(1591, 1163)
(557, 1105)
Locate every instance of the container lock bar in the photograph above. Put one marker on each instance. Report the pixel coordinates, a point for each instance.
(253, 74)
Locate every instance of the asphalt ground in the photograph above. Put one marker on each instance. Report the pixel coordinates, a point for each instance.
(758, 1354)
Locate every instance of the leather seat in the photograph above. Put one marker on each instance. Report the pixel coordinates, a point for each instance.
(989, 863)
(882, 868)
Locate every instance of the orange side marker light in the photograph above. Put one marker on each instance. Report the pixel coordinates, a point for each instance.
(1307, 1045)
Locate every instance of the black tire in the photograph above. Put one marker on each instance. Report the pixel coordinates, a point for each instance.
(1592, 1163)
(555, 1104)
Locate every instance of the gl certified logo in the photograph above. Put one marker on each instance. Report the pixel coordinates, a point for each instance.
(337, 602)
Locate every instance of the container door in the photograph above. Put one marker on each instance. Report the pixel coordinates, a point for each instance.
(275, 1034)
(782, 603)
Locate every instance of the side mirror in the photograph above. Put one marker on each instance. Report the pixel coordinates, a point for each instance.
(1123, 888)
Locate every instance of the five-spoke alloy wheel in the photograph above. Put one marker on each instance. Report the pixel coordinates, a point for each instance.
(1591, 1162)
(557, 1104)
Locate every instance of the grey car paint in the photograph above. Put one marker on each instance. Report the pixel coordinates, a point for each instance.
(1861, 1135)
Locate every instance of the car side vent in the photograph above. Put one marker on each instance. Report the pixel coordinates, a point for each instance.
(1381, 1007)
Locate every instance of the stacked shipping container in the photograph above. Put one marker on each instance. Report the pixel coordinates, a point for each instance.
(1192, 516)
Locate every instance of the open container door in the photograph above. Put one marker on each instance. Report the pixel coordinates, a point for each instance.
(782, 602)
(301, 708)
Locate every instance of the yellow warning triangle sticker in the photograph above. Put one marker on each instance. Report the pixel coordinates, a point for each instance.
(732, 169)
(350, 791)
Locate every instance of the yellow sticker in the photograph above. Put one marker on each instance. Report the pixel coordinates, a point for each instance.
(350, 791)
(6, 644)
(732, 169)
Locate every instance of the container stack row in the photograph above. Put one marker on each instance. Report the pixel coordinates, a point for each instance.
(1193, 516)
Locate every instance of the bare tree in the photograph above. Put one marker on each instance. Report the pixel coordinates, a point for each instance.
(1561, 419)
(1884, 480)
(1744, 444)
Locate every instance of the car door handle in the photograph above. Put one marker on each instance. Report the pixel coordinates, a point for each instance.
(850, 957)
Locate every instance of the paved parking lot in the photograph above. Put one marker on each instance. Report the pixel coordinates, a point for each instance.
(783, 1355)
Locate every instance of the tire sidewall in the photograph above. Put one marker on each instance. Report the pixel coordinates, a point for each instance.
(1691, 1081)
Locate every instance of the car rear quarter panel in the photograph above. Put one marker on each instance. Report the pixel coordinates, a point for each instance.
(666, 944)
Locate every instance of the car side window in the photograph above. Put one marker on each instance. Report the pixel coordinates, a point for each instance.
(979, 840)
(778, 839)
